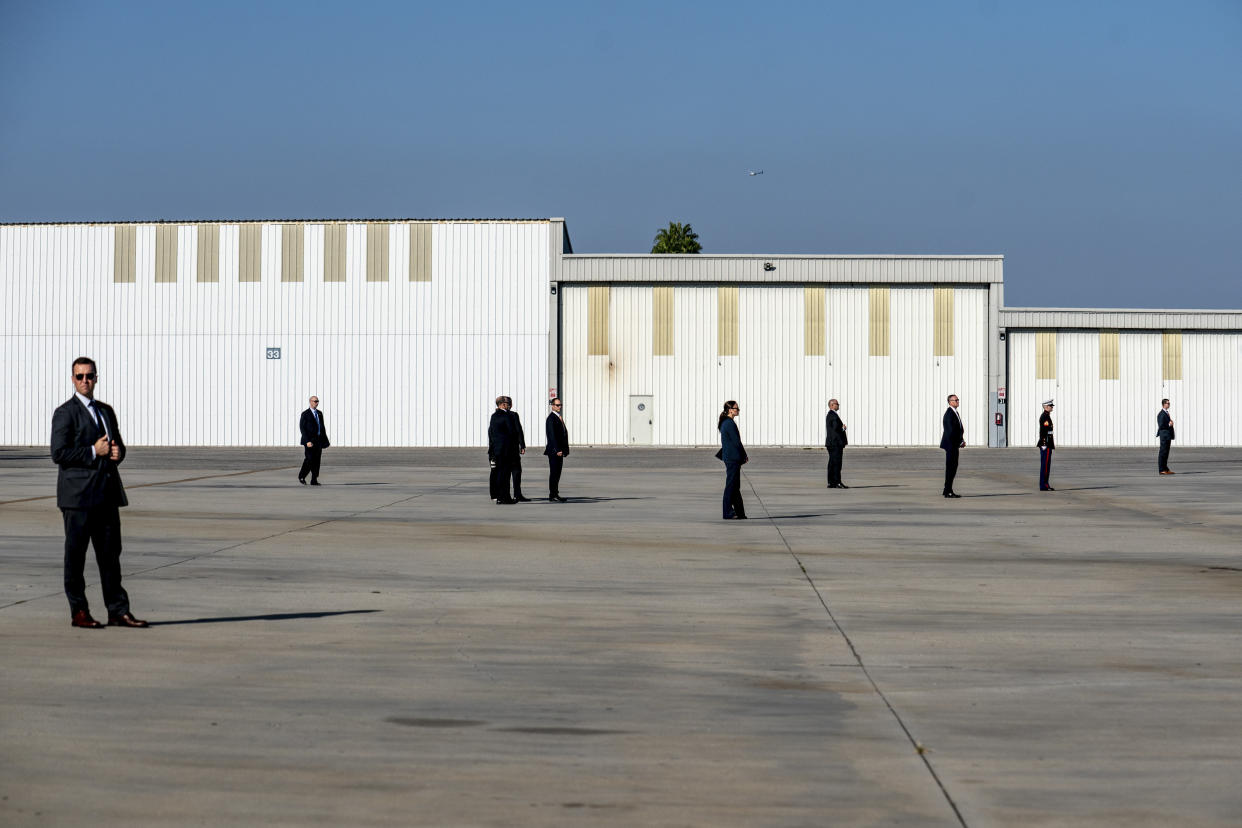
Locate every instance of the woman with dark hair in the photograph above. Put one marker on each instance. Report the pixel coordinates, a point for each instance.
(733, 453)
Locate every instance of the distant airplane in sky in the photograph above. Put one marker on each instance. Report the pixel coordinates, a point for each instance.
(754, 172)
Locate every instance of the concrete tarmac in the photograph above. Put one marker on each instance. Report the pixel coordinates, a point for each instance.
(392, 648)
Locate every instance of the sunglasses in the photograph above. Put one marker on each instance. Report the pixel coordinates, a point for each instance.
(90, 376)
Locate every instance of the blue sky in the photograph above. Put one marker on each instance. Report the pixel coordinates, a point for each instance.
(1097, 145)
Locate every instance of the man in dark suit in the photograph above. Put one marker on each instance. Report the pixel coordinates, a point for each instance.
(314, 440)
(1046, 444)
(835, 442)
(953, 440)
(502, 451)
(734, 456)
(1166, 433)
(556, 448)
(515, 469)
(87, 445)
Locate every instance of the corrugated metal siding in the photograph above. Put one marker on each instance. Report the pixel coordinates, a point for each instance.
(1092, 411)
(1155, 320)
(597, 320)
(662, 323)
(878, 322)
(894, 400)
(1110, 355)
(1171, 355)
(726, 321)
(208, 267)
(1046, 355)
(396, 363)
(814, 332)
(630, 269)
(942, 323)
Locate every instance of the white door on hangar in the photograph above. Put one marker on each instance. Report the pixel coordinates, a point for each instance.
(641, 419)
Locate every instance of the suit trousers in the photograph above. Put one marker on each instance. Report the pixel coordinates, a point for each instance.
(515, 471)
(733, 490)
(101, 527)
(311, 463)
(835, 454)
(1165, 445)
(950, 467)
(1045, 466)
(499, 479)
(555, 464)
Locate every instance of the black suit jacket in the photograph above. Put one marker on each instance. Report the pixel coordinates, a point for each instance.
(731, 448)
(84, 482)
(1164, 425)
(502, 436)
(558, 436)
(836, 431)
(954, 430)
(310, 430)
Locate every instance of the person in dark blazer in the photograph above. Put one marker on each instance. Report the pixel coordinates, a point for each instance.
(515, 469)
(1167, 434)
(501, 451)
(835, 442)
(556, 448)
(314, 440)
(87, 446)
(733, 453)
(1046, 445)
(953, 440)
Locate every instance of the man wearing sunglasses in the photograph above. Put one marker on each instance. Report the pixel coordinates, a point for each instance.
(87, 445)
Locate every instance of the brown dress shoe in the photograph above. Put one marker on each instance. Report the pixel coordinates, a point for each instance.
(82, 618)
(126, 620)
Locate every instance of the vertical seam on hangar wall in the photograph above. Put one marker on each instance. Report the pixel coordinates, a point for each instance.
(1171, 355)
(597, 320)
(1110, 355)
(124, 258)
(878, 321)
(334, 252)
(208, 253)
(942, 321)
(166, 252)
(1046, 355)
(292, 253)
(250, 253)
(377, 252)
(662, 321)
(814, 332)
(726, 320)
(420, 252)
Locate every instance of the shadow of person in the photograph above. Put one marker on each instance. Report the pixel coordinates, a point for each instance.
(278, 616)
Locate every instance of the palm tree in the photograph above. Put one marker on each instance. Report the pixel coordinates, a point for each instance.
(677, 238)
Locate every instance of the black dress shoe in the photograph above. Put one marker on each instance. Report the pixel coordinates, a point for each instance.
(559, 499)
(953, 494)
(126, 620)
(82, 618)
(302, 480)
(504, 501)
(520, 499)
(314, 482)
(842, 486)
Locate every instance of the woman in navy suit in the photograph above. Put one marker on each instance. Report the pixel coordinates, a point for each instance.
(733, 453)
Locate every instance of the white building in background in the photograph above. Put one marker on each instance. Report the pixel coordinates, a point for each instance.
(215, 333)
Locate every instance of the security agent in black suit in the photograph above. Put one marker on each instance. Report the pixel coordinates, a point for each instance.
(556, 448)
(87, 445)
(502, 451)
(835, 442)
(733, 453)
(515, 470)
(314, 440)
(953, 440)
(1046, 445)
(1167, 434)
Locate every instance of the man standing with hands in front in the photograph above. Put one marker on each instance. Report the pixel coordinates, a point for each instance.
(835, 442)
(953, 440)
(87, 445)
(556, 448)
(1166, 433)
(1046, 444)
(314, 440)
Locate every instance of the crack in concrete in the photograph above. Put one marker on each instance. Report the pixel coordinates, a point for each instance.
(919, 748)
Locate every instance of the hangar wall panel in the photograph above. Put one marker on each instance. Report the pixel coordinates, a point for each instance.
(1091, 411)
(891, 400)
(396, 362)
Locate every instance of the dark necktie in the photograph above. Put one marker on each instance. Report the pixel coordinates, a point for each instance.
(99, 421)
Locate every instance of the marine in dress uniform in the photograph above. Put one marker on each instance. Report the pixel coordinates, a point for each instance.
(1046, 445)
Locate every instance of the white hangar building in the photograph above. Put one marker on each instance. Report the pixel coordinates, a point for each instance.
(215, 333)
